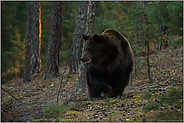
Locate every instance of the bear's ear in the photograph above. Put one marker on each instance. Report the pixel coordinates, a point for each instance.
(98, 38)
(85, 37)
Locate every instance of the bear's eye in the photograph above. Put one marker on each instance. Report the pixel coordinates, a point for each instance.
(88, 49)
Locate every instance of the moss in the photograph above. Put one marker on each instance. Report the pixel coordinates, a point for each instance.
(67, 120)
(166, 116)
(136, 109)
(100, 104)
(43, 120)
(69, 76)
(105, 119)
(69, 113)
(4, 99)
(137, 96)
(115, 101)
(178, 106)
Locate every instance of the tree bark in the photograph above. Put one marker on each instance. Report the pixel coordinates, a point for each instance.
(77, 39)
(161, 27)
(147, 44)
(52, 62)
(36, 39)
(81, 83)
(137, 35)
(27, 68)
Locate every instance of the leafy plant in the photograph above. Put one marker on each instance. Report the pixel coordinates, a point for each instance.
(172, 95)
(150, 105)
(56, 108)
(147, 94)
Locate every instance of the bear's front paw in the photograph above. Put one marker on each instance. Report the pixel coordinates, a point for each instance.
(108, 89)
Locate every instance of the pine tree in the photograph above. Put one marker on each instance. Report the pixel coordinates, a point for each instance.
(52, 62)
(145, 19)
(27, 68)
(76, 44)
(81, 83)
(36, 39)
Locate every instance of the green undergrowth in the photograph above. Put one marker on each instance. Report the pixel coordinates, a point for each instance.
(166, 116)
(171, 97)
(56, 108)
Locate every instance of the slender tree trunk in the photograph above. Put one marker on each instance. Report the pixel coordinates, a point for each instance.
(161, 27)
(76, 44)
(36, 39)
(81, 83)
(137, 35)
(27, 69)
(52, 62)
(147, 44)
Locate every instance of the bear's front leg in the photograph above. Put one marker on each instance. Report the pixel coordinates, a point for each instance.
(93, 91)
(100, 84)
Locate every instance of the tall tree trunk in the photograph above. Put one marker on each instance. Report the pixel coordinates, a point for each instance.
(161, 28)
(81, 83)
(147, 43)
(76, 44)
(27, 68)
(36, 39)
(137, 35)
(52, 62)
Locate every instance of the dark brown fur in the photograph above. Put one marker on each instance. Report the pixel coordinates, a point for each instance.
(109, 54)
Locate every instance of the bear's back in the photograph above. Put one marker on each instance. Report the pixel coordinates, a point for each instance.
(127, 51)
(124, 41)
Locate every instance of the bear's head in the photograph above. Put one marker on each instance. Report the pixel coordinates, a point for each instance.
(93, 48)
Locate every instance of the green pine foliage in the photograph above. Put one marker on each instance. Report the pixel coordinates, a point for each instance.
(172, 97)
(125, 16)
(147, 94)
(56, 108)
(150, 106)
(15, 57)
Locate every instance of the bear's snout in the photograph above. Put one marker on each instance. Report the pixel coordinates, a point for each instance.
(85, 60)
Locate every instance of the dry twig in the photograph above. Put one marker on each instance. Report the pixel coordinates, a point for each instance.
(3, 108)
(61, 84)
(11, 94)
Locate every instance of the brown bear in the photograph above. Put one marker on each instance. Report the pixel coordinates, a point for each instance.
(109, 62)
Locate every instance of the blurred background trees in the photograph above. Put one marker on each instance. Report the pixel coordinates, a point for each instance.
(164, 25)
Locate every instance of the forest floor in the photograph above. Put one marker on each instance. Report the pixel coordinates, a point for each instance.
(161, 100)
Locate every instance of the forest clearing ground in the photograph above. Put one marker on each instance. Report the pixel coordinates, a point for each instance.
(166, 71)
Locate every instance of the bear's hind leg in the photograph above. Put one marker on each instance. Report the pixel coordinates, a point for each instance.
(117, 90)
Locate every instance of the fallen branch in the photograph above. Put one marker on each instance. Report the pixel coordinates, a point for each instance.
(3, 108)
(11, 95)
(61, 84)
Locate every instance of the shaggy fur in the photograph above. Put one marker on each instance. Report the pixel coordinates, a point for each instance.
(110, 60)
